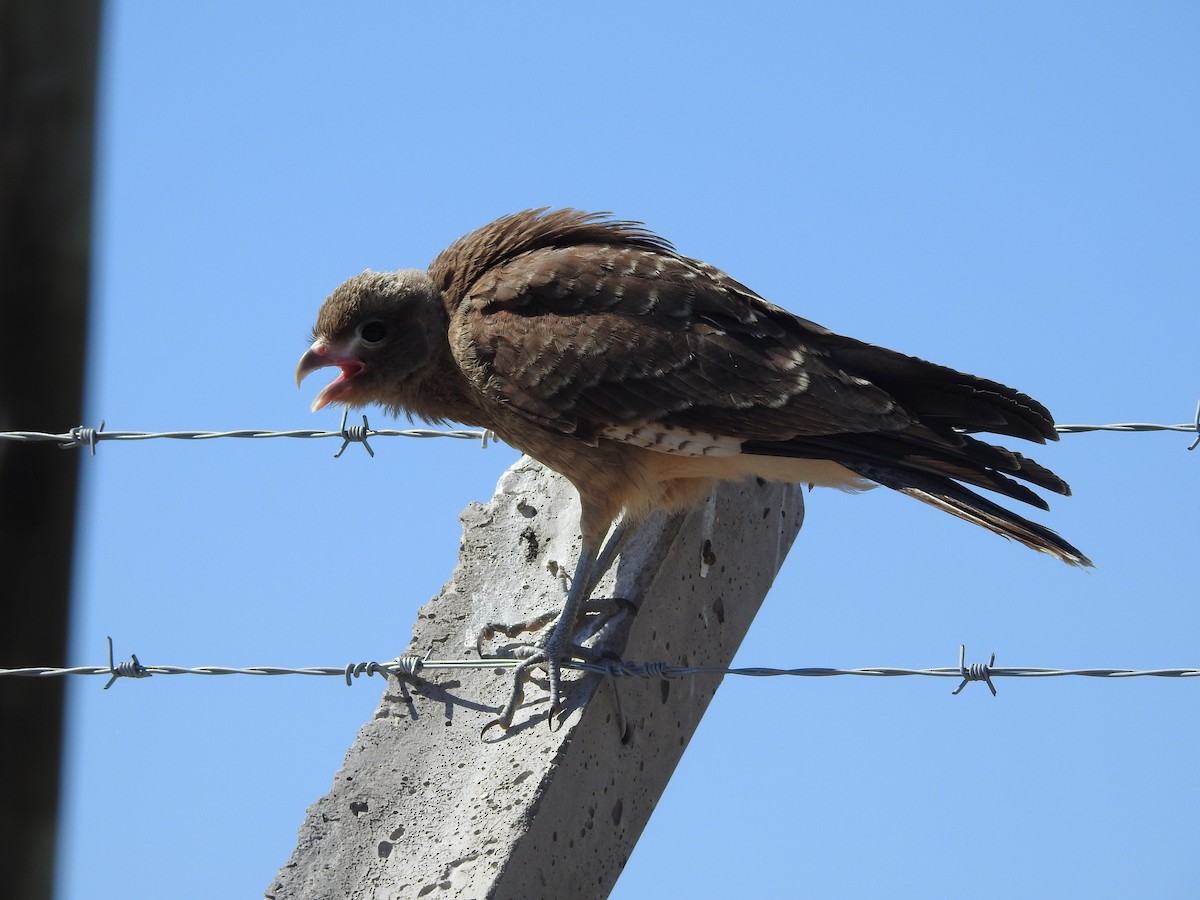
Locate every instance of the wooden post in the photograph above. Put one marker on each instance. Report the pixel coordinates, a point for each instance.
(422, 806)
(47, 106)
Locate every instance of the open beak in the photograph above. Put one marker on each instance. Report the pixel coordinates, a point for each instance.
(319, 356)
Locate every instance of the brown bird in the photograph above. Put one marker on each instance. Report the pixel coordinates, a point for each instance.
(645, 377)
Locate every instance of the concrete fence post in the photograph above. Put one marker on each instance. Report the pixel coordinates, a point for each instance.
(422, 807)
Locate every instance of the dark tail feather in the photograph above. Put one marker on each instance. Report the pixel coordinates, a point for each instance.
(938, 395)
(936, 452)
(951, 497)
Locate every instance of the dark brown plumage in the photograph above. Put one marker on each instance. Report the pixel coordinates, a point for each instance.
(644, 376)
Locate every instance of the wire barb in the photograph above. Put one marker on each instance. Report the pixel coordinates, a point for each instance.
(1196, 442)
(80, 436)
(406, 666)
(132, 669)
(354, 434)
(364, 668)
(614, 668)
(974, 672)
(400, 667)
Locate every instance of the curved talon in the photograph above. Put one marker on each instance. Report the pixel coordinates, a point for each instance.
(483, 732)
(520, 673)
(551, 661)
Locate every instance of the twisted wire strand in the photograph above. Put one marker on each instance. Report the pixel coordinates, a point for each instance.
(1185, 427)
(409, 666)
(77, 437)
(86, 436)
(1192, 427)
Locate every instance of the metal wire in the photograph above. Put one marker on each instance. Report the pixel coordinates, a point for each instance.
(1189, 427)
(1124, 426)
(409, 666)
(84, 436)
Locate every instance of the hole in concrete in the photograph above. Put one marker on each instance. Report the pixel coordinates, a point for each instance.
(664, 688)
(530, 539)
(385, 849)
(617, 811)
(359, 808)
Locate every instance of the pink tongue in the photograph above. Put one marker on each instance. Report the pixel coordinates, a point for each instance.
(332, 390)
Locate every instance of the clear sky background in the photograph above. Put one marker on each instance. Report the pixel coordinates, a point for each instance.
(1011, 189)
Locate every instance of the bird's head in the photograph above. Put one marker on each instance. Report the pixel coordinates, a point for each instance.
(380, 329)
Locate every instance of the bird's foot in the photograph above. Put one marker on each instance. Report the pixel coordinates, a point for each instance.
(597, 613)
(534, 656)
(544, 655)
(551, 651)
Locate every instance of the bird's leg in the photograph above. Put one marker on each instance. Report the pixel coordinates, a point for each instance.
(549, 652)
(612, 547)
(557, 644)
(611, 606)
(608, 608)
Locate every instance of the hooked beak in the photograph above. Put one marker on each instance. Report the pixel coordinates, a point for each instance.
(319, 356)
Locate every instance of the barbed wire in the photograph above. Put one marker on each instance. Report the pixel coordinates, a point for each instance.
(409, 666)
(85, 436)
(1191, 427)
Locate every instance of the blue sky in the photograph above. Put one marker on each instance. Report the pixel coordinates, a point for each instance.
(1010, 189)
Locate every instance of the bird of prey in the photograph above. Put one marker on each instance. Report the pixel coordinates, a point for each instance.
(644, 377)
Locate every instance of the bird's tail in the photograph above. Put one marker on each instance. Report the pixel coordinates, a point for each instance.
(952, 497)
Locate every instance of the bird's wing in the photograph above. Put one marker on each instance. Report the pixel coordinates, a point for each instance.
(601, 340)
(605, 341)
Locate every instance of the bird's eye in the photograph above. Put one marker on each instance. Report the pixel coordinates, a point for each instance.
(372, 332)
